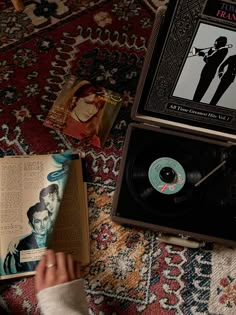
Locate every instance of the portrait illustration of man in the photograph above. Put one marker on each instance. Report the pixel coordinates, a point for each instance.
(50, 199)
(39, 220)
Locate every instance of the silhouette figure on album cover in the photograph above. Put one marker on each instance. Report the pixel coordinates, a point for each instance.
(226, 78)
(212, 58)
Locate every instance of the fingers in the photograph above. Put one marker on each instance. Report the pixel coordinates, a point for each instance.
(62, 269)
(71, 267)
(40, 272)
(61, 262)
(12, 247)
(51, 265)
(14, 251)
(55, 268)
(51, 257)
(77, 269)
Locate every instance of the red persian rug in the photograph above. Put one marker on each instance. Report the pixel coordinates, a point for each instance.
(104, 40)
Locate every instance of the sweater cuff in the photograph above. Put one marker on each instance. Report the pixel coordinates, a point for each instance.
(67, 297)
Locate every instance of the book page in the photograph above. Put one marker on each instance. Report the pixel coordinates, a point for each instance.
(71, 232)
(31, 188)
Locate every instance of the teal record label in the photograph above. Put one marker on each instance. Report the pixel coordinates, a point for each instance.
(155, 179)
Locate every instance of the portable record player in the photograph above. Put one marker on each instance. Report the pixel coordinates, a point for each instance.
(178, 169)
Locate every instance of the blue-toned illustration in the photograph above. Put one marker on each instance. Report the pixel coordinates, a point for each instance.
(24, 251)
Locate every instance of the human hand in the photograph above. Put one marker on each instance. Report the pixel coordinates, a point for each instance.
(13, 245)
(55, 268)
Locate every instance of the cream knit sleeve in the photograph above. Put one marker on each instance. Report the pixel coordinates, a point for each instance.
(68, 298)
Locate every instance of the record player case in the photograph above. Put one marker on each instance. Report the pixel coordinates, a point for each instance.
(184, 116)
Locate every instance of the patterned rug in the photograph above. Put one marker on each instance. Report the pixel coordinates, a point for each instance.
(105, 41)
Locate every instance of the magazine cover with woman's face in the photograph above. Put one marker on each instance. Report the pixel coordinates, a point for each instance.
(84, 111)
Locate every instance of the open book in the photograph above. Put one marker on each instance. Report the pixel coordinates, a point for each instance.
(43, 203)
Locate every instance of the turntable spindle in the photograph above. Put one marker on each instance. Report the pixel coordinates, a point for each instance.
(167, 175)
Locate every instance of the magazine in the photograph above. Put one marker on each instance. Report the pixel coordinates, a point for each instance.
(84, 111)
(34, 196)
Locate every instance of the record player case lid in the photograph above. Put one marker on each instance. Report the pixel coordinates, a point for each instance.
(171, 72)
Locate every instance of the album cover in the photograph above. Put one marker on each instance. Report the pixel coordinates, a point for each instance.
(189, 74)
(84, 111)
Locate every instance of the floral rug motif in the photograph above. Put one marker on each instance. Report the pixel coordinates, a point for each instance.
(106, 42)
(223, 288)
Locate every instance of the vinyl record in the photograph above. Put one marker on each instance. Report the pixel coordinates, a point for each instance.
(162, 180)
